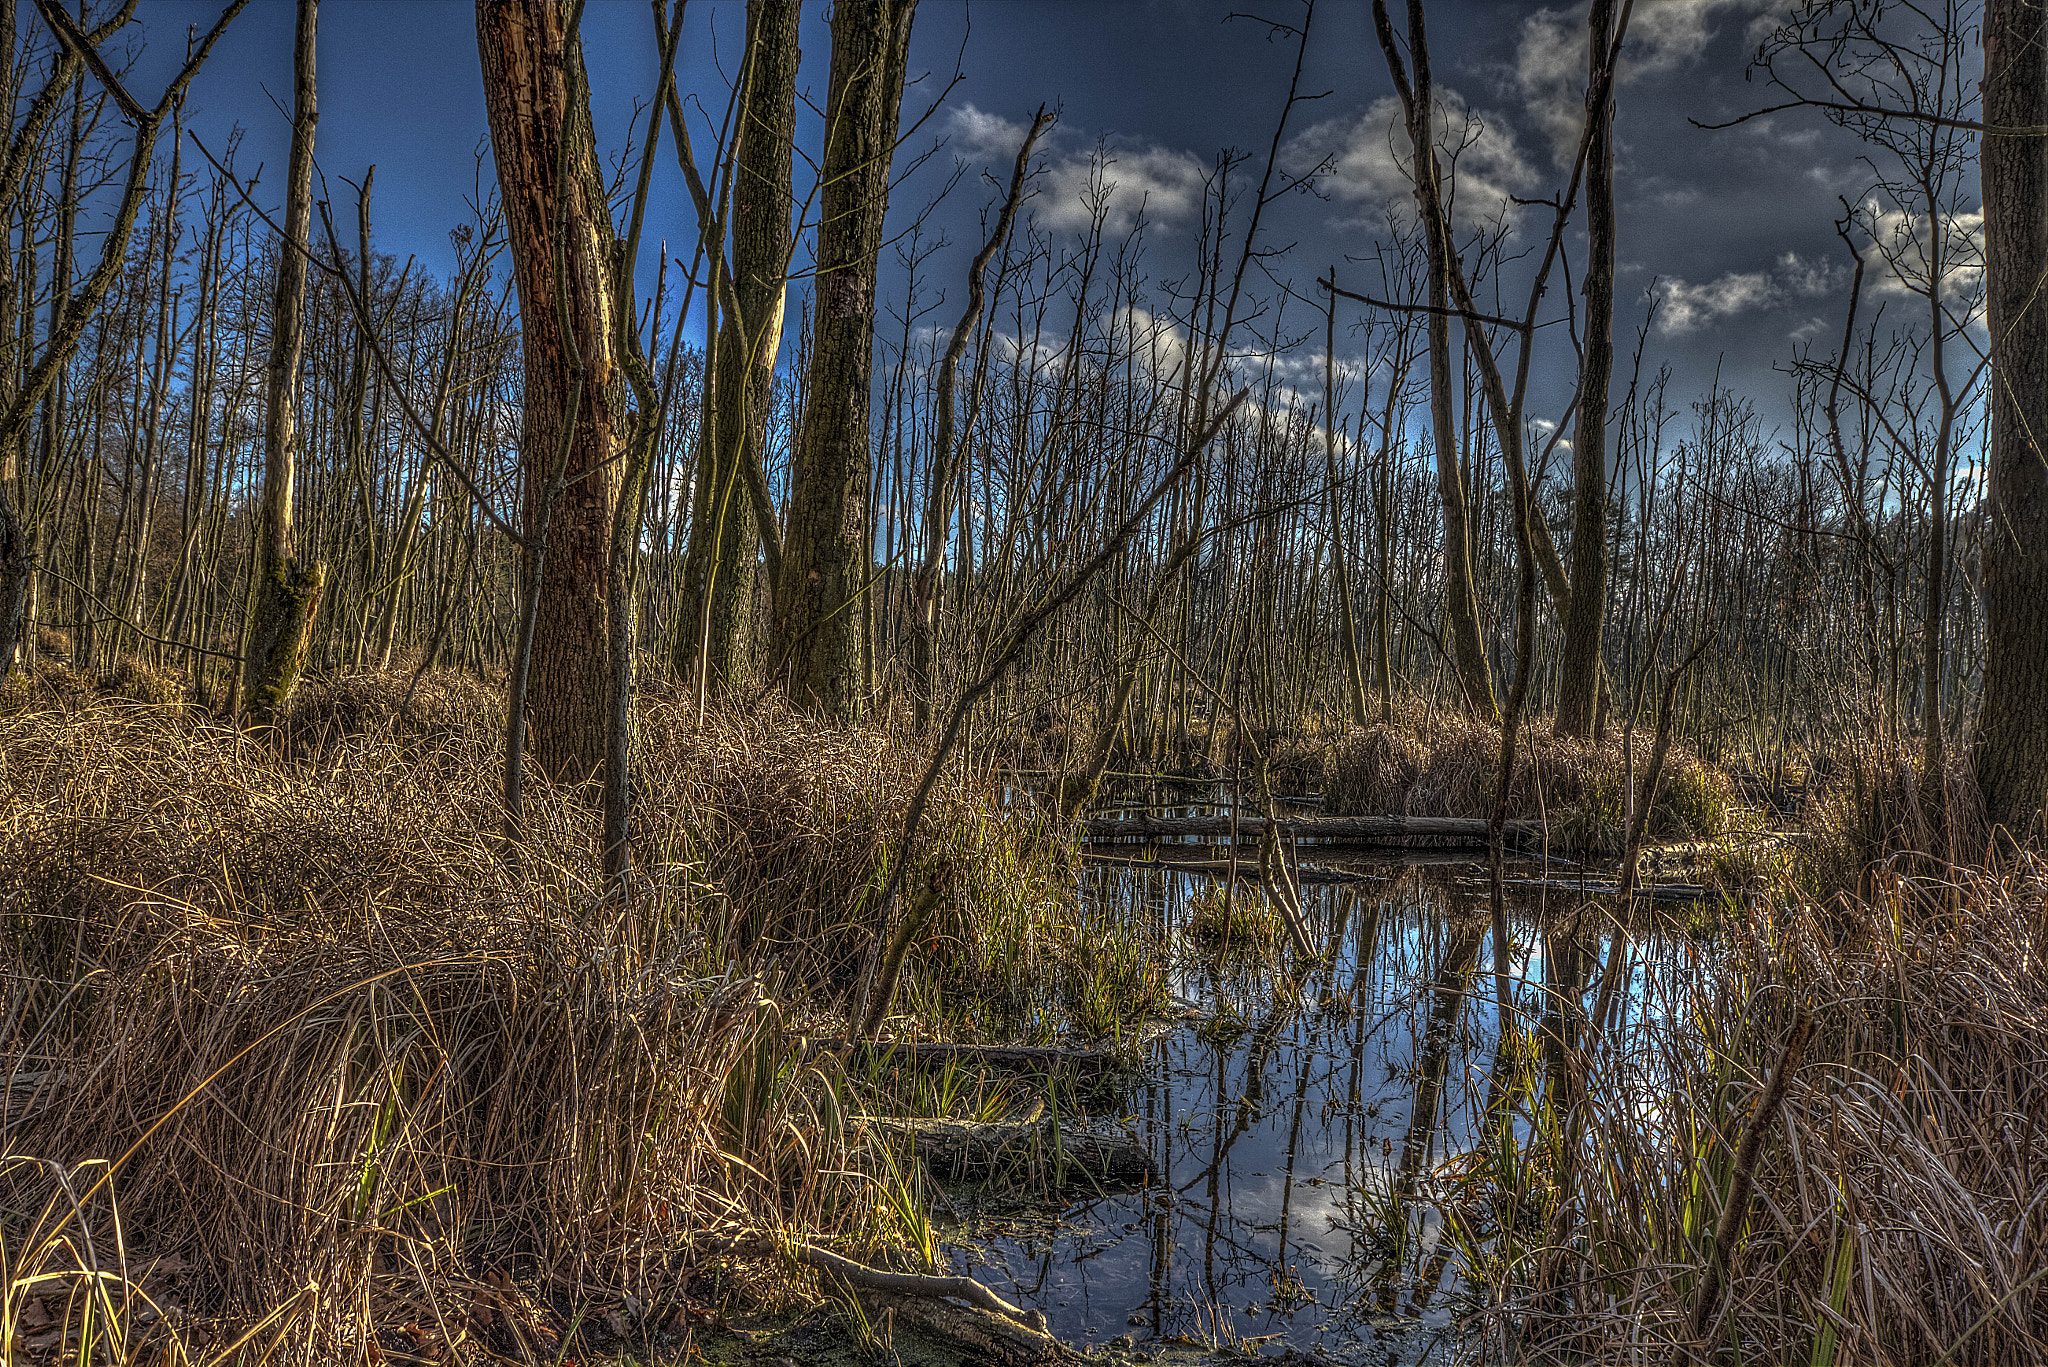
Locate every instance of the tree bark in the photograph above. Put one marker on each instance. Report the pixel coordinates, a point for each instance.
(826, 557)
(719, 567)
(1461, 599)
(2012, 744)
(561, 234)
(1586, 610)
(287, 591)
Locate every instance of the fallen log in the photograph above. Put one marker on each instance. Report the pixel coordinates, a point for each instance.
(977, 1335)
(1238, 868)
(986, 1329)
(976, 1151)
(1348, 829)
(1608, 887)
(1008, 1058)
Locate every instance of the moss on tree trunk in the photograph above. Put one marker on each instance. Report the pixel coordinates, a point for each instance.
(280, 628)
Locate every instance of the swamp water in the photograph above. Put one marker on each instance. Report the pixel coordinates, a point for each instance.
(1294, 1130)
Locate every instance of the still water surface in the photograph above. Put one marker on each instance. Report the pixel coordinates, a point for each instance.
(1292, 1132)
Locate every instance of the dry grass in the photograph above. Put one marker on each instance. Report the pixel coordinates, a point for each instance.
(1899, 1215)
(794, 822)
(277, 1015)
(1878, 811)
(1452, 769)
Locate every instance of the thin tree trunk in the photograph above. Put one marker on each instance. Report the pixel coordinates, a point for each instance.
(1579, 672)
(725, 535)
(287, 592)
(1461, 599)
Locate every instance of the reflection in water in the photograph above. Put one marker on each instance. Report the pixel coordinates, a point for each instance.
(1293, 1131)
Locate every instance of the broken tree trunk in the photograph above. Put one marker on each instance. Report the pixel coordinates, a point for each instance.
(981, 1336)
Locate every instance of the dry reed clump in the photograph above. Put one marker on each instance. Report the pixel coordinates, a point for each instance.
(1878, 810)
(1899, 1215)
(1453, 770)
(141, 682)
(272, 1023)
(794, 821)
(53, 645)
(446, 707)
(1370, 771)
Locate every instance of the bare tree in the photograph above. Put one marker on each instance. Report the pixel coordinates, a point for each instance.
(562, 241)
(287, 592)
(826, 557)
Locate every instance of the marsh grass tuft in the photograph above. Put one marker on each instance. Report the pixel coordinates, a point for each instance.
(281, 1015)
(1451, 768)
(1225, 920)
(1897, 1216)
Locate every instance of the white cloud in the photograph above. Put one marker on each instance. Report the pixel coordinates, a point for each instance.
(1809, 279)
(1161, 341)
(1684, 307)
(1368, 157)
(1122, 176)
(985, 136)
(1550, 58)
(1688, 308)
(1163, 183)
(1904, 251)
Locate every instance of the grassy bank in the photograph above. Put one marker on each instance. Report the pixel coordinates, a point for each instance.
(1896, 1213)
(291, 1045)
(1451, 767)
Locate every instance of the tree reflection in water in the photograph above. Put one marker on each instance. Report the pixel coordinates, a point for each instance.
(1293, 1146)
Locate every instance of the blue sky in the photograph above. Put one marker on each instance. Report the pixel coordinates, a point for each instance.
(1735, 226)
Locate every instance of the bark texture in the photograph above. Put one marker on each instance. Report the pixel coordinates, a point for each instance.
(725, 538)
(826, 557)
(1586, 608)
(562, 240)
(287, 593)
(2012, 746)
(1461, 598)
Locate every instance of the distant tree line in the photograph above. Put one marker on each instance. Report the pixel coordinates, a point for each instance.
(237, 441)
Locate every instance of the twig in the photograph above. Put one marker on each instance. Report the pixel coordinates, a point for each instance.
(1743, 1182)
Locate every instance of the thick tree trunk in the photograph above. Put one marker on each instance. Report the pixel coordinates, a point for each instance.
(561, 233)
(724, 535)
(1586, 611)
(2012, 744)
(287, 592)
(826, 557)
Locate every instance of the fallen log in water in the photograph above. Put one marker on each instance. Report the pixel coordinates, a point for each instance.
(976, 1151)
(1608, 887)
(1349, 829)
(1240, 868)
(1008, 1058)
